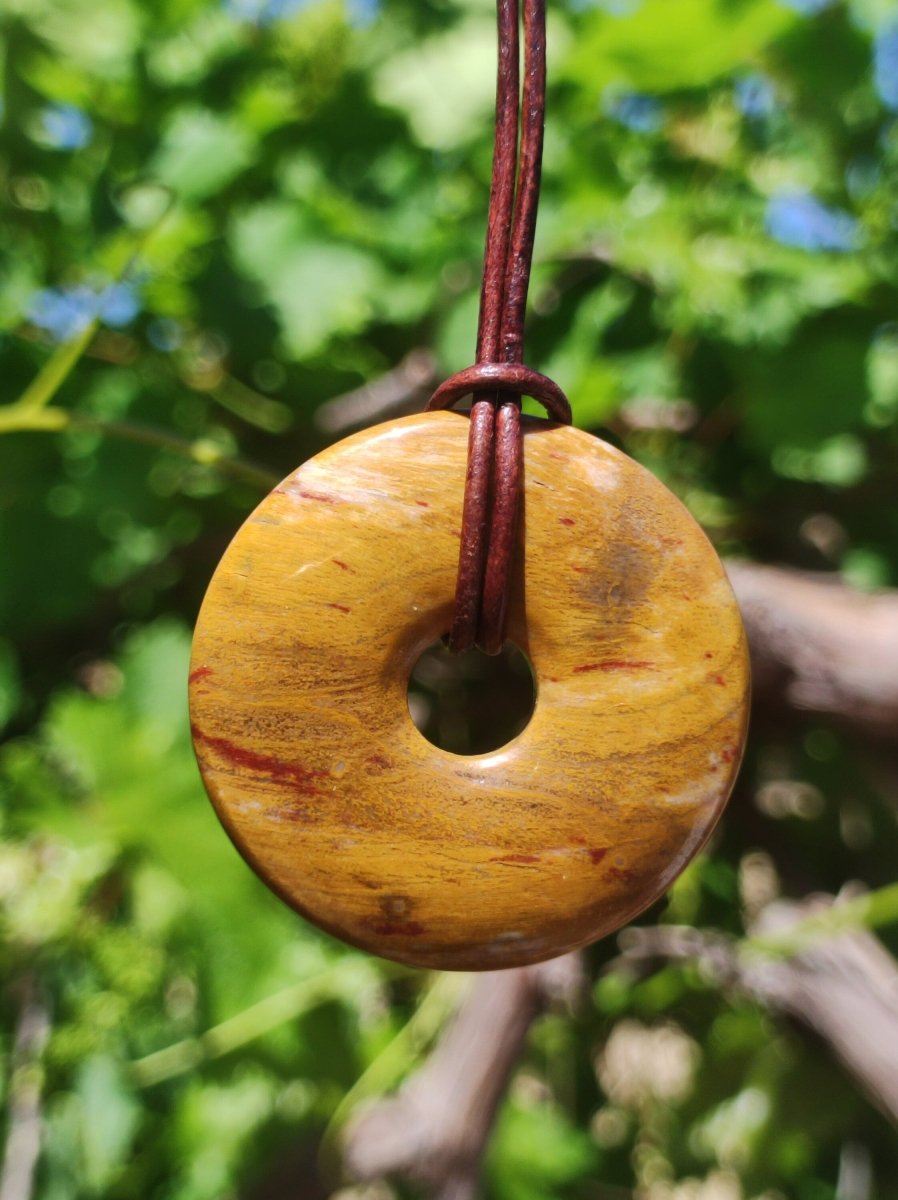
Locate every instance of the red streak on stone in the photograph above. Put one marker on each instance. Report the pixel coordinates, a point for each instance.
(622, 874)
(338, 562)
(579, 841)
(708, 654)
(596, 855)
(310, 495)
(685, 597)
(295, 814)
(343, 608)
(580, 570)
(728, 754)
(671, 541)
(422, 504)
(615, 664)
(516, 858)
(558, 457)
(275, 768)
(719, 680)
(566, 521)
(199, 673)
(400, 928)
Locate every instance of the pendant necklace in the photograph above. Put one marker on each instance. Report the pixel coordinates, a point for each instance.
(484, 526)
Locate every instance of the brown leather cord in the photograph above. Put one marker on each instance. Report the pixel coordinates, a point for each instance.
(481, 433)
(495, 448)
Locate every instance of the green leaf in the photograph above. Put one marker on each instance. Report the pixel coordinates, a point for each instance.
(812, 389)
(664, 45)
(109, 1118)
(201, 152)
(536, 1151)
(445, 85)
(317, 287)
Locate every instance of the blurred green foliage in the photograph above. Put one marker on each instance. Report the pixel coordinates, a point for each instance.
(216, 217)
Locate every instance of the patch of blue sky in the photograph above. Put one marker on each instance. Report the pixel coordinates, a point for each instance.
(65, 127)
(266, 12)
(65, 312)
(885, 65)
(808, 7)
(755, 96)
(363, 12)
(635, 110)
(799, 219)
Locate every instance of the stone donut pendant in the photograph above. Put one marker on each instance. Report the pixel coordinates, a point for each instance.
(308, 634)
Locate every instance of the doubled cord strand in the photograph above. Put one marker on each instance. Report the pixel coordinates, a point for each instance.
(509, 448)
(495, 443)
(481, 433)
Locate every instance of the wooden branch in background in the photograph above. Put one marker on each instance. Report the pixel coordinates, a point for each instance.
(394, 394)
(23, 1136)
(434, 1130)
(820, 645)
(844, 988)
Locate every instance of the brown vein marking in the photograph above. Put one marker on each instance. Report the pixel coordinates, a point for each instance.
(293, 812)
(338, 562)
(615, 664)
(199, 673)
(250, 760)
(379, 760)
(566, 521)
(343, 608)
(516, 858)
(623, 874)
(719, 680)
(597, 854)
(422, 504)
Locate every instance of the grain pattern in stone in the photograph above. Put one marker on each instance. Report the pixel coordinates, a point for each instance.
(310, 629)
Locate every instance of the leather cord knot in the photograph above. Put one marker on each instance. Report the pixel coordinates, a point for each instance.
(513, 378)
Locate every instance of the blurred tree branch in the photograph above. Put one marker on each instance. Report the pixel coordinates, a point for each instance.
(812, 961)
(820, 645)
(435, 1129)
(843, 987)
(23, 1137)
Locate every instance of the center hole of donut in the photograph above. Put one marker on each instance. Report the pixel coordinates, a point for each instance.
(471, 703)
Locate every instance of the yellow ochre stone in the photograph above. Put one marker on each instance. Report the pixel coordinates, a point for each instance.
(313, 622)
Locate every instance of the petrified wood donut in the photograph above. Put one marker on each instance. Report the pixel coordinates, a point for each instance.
(306, 640)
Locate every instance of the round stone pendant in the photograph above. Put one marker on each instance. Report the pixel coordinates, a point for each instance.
(311, 627)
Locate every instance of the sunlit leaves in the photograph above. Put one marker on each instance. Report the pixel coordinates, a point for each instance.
(661, 45)
(304, 189)
(200, 153)
(445, 87)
